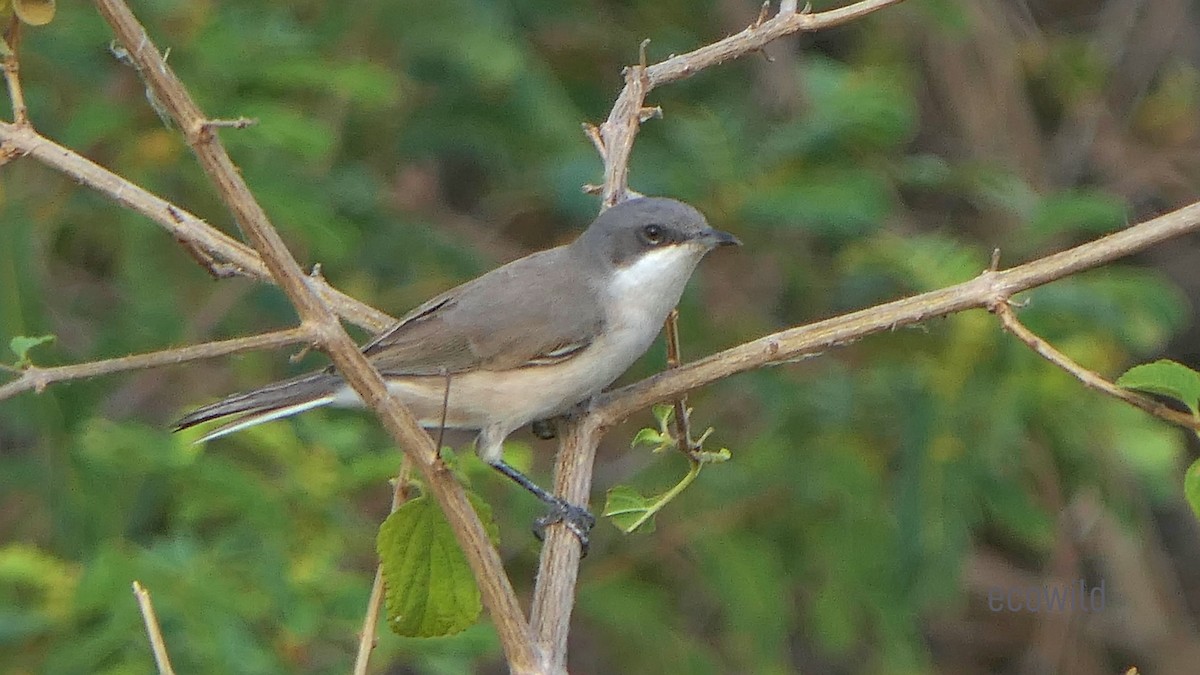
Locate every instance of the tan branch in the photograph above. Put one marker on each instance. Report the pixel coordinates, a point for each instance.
(981, 292)
(37, 378)
(157, 645)
(614, 138)
(558, 570)
(12, 72)
(1009, 320)
(614, 141)
(683, 432)
(496, 590)
(182, 225)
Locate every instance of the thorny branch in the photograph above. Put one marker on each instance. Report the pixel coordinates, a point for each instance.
(38, 379)
(982, 292)
(315, 315)
(1008, 318)
(232, 256)
(554, 594)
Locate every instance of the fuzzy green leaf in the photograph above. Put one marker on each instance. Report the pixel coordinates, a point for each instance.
(21, 344)
(714, 456)
(430, 591)
(647, 436)
(663, 413)
(626, 506)
(1165, 378)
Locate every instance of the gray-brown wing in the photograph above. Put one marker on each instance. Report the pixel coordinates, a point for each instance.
(534, 311)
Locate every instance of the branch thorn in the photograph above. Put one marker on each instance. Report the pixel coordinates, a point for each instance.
(762, 14)
(593, 133)
(301, 353)
(650, 113)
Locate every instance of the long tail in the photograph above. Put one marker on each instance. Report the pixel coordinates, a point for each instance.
(271, 402)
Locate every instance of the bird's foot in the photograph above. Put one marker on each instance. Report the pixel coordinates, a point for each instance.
(577, 519)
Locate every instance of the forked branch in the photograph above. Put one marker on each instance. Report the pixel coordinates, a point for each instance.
(613, 139)
(495, 588)
(1008, 318)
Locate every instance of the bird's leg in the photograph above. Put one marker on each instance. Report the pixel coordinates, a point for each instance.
(577, 519)
(490, 448)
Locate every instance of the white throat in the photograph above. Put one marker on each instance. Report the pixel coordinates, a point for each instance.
(642, 293)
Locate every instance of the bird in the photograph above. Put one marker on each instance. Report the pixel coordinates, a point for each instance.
(523, 343)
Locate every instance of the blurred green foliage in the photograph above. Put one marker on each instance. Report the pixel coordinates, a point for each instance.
(407, 146)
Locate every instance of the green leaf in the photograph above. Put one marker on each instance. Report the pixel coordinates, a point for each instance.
(430, 591)
(626, 507)
(21, 344)
(713, 456)
(647, 436)
(1191, 487)
(663, 413)
(1165, 378)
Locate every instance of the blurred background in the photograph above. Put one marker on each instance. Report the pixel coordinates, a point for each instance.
(879, 496)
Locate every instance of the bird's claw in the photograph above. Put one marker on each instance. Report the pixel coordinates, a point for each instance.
(577, 519)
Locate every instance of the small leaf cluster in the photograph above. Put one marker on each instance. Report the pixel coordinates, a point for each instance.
(630, 510)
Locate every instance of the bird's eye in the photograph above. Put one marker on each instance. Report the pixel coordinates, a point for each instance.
(653, 234)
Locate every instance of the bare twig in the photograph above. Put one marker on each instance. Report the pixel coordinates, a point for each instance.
(366, 637)
(618, 131)
(763, 13)
(1008, 318)
(218, 270)
(683, 432)
(182, 225)
(38, 379)
(152, 630)
(12, 68)
(495, 588)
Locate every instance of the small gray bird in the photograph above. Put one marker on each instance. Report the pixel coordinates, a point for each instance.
(522, 343)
